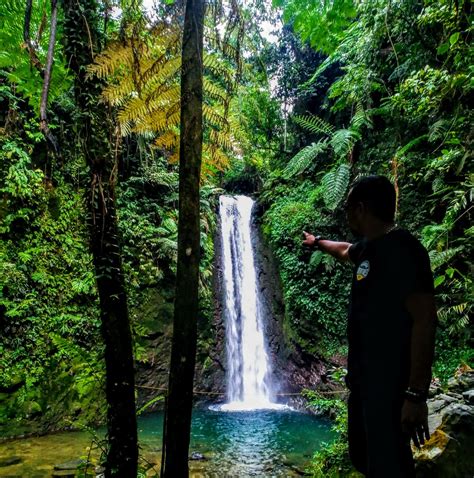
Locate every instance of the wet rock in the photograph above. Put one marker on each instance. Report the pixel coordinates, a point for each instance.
(195, 456)
(468, 396)
(461, 383)
(11, 460)
(295, 469)
(448, 453)
(70, 465)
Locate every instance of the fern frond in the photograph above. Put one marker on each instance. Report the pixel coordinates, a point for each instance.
(335, 184)
(314, 124)
(164, 73)
(168, 140)
(214, 91)
(117, 93)
(117, 56)
(343, 141)
(222, 139)
(219, 159)
(360, 118)
(330, 60)
(439, 258)
(213, 117)
(438, 130)
(414, 142)
(304, 158)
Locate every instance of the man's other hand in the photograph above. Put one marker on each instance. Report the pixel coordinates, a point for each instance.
(415, 422)
(309, 239)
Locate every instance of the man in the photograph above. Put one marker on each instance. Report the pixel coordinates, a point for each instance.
(391, 330)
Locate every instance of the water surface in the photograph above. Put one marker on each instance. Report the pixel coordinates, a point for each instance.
(236, 444)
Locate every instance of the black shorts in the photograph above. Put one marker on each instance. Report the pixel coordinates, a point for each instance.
(377, 446)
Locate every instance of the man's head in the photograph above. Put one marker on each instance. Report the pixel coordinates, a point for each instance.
(371, 201)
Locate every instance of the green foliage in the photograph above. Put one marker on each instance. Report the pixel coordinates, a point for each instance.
(47, 294)
(409, 69)
(333, 458)
(15, 64)
(314, 299)
(320, 23)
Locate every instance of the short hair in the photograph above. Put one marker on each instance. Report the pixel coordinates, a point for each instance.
(377, 193)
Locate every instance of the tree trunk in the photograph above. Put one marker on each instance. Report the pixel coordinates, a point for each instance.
(44, 128)
(183, 353)
(96, 133)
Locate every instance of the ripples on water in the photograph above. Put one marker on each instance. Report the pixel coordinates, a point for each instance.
(264, 443)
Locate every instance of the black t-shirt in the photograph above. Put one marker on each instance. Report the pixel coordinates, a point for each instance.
(387, 270)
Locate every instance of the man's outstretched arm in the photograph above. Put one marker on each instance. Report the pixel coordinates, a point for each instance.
(339, 250)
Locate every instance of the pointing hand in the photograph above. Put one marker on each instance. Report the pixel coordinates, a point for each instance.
(309, 239)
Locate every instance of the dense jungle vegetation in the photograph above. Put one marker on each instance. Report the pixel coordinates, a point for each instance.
(342, 89)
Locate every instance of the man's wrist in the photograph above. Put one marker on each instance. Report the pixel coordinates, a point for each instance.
(415, 395)
(317, 239)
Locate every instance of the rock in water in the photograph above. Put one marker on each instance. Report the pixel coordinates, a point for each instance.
(197, 456)
(70, 465)
(12, 460)
(69, 469)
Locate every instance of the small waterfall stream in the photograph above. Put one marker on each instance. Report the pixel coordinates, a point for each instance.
(248, 376)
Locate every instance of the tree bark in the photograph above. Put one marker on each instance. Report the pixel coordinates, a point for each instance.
(44, 128)
(96, 133)
(27, 38)
(183, 353)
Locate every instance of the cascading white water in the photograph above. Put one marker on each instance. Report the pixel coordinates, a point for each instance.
(248, 374)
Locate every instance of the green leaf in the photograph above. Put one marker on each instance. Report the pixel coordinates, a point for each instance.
(150, 403)
(442, 49)
(316, 258)
(439, 280)
(453, 39)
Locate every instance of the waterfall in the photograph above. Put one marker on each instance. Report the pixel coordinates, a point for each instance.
(248, 366)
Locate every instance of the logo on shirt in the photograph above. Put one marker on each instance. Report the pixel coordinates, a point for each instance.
(363, 270)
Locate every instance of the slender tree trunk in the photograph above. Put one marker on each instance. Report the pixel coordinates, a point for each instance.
(183, 353)
(81, 37)
(47, 79)
(27, 38)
